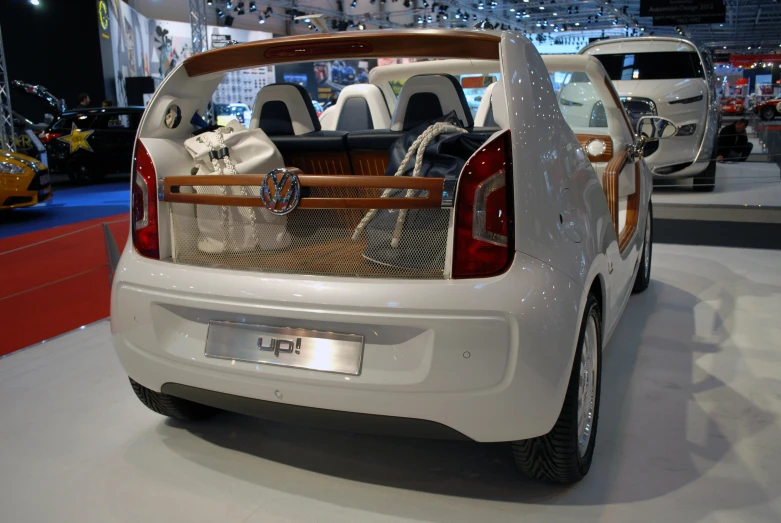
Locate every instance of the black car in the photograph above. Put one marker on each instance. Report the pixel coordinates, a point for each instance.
(88, 144)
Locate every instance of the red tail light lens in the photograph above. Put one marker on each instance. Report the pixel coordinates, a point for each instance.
(144, 204)
(50, 136)
(484, 219)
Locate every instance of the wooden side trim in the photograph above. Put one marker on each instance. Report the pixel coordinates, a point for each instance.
(610, 184)
(432, 200)
(381, 44)
(584, 139)
(632, 214)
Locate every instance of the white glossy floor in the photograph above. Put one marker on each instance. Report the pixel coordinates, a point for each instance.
(690, 432)
(747, 183)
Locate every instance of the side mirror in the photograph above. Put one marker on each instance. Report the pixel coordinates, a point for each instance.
(653, 128)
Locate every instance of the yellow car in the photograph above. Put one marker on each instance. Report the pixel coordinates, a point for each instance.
(24, 181)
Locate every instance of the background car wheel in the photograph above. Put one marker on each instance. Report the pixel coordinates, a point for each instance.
(564, 454)
(172, 406)
(643, 277)
(84, 169)
(768, 113)
(706, 180)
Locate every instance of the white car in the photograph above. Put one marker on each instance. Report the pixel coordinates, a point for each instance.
(472, 306)
(668, 77)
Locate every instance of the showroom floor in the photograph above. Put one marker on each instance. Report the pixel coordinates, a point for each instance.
(690, 431)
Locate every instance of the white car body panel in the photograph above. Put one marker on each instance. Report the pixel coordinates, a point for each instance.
(488, 357)
(696, 149)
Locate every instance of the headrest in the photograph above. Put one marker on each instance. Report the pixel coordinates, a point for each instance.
(493, 108)
(426, 97)
(485, 116)
(361, 107)
(284, 109)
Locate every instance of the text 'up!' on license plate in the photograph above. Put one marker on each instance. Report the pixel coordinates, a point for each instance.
(286, 347)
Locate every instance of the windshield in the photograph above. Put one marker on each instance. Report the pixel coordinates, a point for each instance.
(652, 66)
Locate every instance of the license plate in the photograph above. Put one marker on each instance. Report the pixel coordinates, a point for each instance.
(43, 180)
(285, 347)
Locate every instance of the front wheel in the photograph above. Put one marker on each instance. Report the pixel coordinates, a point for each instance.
(768, 113)
(564, 454)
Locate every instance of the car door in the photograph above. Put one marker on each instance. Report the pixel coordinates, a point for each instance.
(591, 107)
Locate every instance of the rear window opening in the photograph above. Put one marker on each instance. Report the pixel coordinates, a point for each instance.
(652, 66)
(334, 230)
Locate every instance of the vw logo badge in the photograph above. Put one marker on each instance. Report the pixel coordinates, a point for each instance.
(280, 192)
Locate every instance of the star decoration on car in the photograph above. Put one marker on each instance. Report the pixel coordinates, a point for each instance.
(77, 139)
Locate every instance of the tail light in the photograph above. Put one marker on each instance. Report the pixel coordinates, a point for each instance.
(144, 204)
(47, 137)
(484, 212)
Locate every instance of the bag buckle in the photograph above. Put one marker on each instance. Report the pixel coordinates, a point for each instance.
(218, 154)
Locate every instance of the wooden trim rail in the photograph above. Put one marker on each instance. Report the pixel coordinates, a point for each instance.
(610, 184)
(610, 181)
(432, 200)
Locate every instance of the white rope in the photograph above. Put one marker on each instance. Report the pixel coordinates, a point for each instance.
(418, 148)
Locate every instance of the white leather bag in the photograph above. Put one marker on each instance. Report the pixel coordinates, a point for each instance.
(235, 150)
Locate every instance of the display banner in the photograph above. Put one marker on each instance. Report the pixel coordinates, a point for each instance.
(684, 12)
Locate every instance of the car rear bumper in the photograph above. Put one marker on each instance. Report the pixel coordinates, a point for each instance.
(488, 358)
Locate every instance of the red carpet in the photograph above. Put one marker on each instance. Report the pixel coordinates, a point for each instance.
(54, 281)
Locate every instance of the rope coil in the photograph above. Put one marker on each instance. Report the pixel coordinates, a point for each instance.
(418, 148)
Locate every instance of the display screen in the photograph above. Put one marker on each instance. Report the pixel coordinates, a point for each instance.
(652, 66)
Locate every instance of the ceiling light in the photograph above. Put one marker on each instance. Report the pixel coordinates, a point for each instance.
(35, 2)
(354, 3)
(220, 14)
(252, 7)
(229, 4)
(261, 19)
(361, 26)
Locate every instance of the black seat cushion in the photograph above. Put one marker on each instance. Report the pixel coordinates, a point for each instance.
(275, 119)
(355, 116)
(372, 140)
(314, 141)
(421, 108)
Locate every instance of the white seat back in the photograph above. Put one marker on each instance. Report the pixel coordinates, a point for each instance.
(427, 97)
(358, 108)
(284, 109)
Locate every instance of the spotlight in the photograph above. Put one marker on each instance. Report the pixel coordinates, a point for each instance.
(209, 2)
(481, 5)
(35, 2)
(615, 22)
(354, 3)
(261, 19)
(252, 7)
(240, 8)
(228, 21)
(407, 4)
(420, 19)
(229, 4)
(220, 13)
(425, 4)
(268, 12)
(361, 26)
(474, 17)
(428, 19)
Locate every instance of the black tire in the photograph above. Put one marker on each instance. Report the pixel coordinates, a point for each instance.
(768, 113)
(706, 180)
(172, 406)
(555, 457)
(84, 170)
(643, 277)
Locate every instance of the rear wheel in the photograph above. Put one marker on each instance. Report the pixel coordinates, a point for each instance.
(643, 277)
(768, 113)
(564, 454)
(172, 406)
